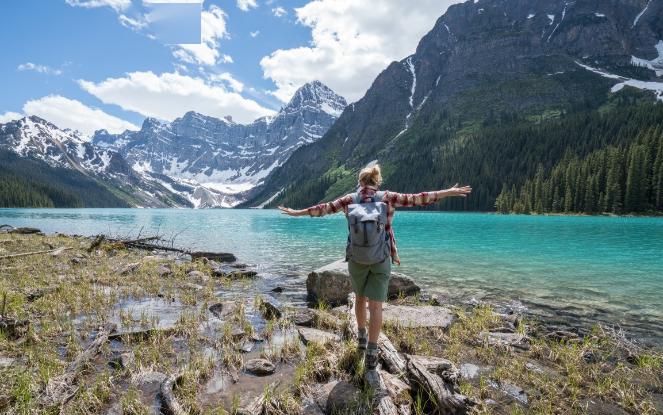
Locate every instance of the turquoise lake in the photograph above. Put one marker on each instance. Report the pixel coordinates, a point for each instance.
(581, 268)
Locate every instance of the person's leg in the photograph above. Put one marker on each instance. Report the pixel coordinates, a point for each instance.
(358, 276)
(360, 313)
(375, 325)
(377, 285)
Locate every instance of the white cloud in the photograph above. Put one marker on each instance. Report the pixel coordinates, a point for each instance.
(212, 29)
(131, 23)
(246, 5)
(69, 113)
(169, 95)
(279, 11)
(10, 116)
(228, 79)
(352, 42)
(117, 5)
(255, 33)
(29, 66)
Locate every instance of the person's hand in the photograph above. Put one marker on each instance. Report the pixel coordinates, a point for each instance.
(290, 212)
(462, 191)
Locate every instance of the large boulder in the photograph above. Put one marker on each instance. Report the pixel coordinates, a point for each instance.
(331, 284)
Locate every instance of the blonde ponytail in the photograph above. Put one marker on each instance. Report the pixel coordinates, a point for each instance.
(370, 176)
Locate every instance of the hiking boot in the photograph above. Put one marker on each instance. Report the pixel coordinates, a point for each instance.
(362, 341)
(371, 359)
(372, 379)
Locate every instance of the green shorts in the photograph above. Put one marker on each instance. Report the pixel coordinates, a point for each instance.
(371, 281)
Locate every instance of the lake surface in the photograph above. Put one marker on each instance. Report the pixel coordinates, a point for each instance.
(581, 268)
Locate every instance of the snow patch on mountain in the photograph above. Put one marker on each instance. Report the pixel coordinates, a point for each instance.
(655, 64)
(656, 87)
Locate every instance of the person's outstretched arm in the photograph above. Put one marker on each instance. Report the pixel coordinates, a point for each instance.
(425, 198)
(322, 209)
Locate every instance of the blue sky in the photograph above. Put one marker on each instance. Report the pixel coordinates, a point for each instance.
(90, 64)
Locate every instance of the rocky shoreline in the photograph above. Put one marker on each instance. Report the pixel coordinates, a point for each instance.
(109, 327)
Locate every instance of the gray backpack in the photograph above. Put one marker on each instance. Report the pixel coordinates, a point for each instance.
(368, 241)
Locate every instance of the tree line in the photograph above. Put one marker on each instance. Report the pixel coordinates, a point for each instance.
(616, 179)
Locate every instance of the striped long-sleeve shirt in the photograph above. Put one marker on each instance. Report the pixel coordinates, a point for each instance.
(392, 199)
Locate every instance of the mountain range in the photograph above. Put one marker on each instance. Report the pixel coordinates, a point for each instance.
(193, 161)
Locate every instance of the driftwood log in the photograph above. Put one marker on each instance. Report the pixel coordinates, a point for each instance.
(169, 403)
(62, 388)
(151, 243)
(22, 254)
(439, 392)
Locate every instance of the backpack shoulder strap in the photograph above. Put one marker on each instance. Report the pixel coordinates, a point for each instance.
(356, 198)
(378, 196)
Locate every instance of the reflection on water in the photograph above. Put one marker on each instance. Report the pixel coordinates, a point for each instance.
(600, 266)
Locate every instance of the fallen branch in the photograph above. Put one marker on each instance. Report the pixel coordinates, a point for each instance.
(169, 403)
(445, 400)
(34, 253)
(62, 388)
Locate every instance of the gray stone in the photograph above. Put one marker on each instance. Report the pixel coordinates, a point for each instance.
(303, 317)
(123, 361)
(509, 389)
(331, 284)
(245, 346)
(417, 316)
(129, 268)
(401, 285)
(343, 398)
(198, 275)
(223, 309)
(308, 334)
(270, 309)
(469, 371)
(259, 367)
(164, 271)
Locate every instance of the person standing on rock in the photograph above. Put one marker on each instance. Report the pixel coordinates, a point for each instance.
(371, 243)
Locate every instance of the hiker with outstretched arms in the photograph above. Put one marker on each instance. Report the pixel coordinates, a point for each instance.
(370, 245)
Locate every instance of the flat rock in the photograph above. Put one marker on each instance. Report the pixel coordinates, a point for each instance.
(259, 367)
(308, 334)
(418, 316)
(214, 256)
(509, 389)
(143, 378)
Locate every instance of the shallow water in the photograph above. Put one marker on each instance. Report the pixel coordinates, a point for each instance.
(587, 268)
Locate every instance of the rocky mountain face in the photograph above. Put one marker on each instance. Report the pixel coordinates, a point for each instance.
(216, 162)
(484, 63)
(37, 139)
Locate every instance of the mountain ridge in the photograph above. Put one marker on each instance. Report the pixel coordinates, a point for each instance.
(484, 62)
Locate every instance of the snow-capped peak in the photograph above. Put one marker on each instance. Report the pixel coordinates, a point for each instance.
(317, 95)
